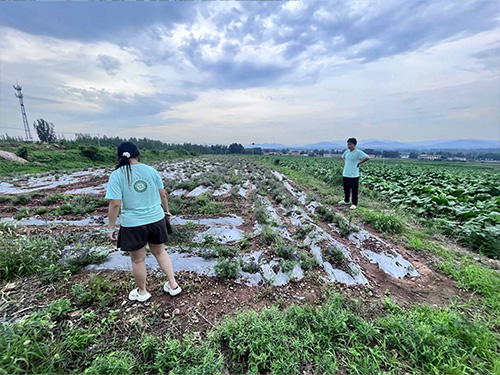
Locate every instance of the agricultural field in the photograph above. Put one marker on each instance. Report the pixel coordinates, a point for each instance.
(463, 202)
(276, 277)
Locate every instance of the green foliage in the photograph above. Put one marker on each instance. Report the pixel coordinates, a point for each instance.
(440, 341)
(48, 158)
(303, 230)
(26, 256)
(22, 213)
(22, 152)
(116, 363)
(150, 345)
(91, 152)
(307, 261)
(249, 266)
(6, 198)
(333, 337)
(53, 199)
(261, 215)
(79, 205)
(45, 131)
(31, 345)
(269, 235)
(21, 199)
(226, 269)
(205, 205)
(333, 254)
(285, 250)
(384, 223)
(188, 357)
(325, 214)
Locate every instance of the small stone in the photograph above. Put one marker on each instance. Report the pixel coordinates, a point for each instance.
(10, 286)
(124, 303)
(74, 314)
(166, 315)
(27, 342)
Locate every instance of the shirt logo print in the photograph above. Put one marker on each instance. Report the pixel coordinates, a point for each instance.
(140, 186)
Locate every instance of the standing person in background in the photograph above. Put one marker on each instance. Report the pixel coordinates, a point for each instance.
(352, 158)
(137, 190)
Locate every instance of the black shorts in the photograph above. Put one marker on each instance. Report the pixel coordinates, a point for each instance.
(135, 238)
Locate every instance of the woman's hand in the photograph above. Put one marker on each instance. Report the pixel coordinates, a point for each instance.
(168, 215)
(112, 234)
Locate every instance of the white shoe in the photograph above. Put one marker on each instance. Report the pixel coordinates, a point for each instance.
(342, 202)
(353, 207)
(169, 290)
(136, 296)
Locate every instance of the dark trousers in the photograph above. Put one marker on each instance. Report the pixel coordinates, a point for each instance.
(351, 183)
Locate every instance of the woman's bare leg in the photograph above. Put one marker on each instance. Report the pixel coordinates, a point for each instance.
(163, 259)
(139, 268)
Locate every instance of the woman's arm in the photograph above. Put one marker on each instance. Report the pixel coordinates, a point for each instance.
(113, 212)
(363, 160)
(164, 201)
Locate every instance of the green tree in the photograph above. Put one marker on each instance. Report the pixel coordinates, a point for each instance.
(45, 131)
(236, 148)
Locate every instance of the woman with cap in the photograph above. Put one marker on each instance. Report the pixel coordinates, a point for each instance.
(137, 189)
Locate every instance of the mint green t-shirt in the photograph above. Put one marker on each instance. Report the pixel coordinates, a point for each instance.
(352, 159)
(141, 202)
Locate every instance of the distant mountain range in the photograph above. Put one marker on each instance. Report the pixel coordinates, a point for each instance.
(457, 144)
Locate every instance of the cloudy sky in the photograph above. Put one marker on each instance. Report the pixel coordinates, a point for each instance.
(292, 72)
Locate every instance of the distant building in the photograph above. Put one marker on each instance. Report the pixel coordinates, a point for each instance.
(332, 155)
(429, 157)
(404, 156)
(457, 159)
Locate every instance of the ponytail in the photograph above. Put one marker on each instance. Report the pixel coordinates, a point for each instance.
(127, 150)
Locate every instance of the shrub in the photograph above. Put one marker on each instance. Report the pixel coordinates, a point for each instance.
(250, 267)
(91, 152)
(261, 215)
(23, 152)
(333, 254)
(226, 269)
(306, 261)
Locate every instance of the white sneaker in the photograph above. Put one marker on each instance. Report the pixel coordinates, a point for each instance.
(342, 202)
(136, 296)
(353, 207)
(169, 290)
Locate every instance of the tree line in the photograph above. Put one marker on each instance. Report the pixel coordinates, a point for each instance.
(46, 133)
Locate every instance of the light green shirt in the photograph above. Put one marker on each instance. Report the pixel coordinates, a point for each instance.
(352, 158)
(141, 202)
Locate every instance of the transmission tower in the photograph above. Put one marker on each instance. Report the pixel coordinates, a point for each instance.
(19, 95)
